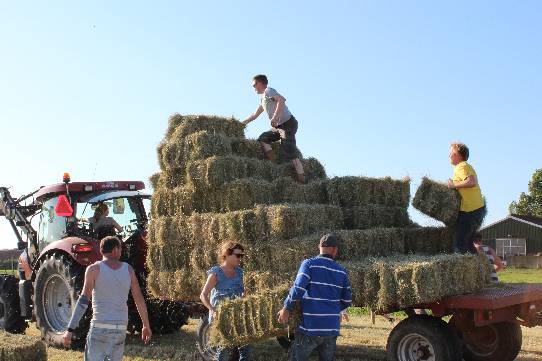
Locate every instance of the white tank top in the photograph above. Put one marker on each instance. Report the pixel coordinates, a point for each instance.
(110, 295)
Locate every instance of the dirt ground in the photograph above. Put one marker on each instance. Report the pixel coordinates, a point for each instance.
(360, 340)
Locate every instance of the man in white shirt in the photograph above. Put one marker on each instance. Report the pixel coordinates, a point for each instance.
(283, 123)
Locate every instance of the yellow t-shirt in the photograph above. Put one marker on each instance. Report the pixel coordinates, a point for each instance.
(471, 198)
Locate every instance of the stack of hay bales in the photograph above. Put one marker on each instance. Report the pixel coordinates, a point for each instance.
(214, 186)
(21, 348)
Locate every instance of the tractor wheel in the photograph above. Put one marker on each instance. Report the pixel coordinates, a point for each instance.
(497, 342)
(58, 283)
(207, 352)
(423, 338)
(10, 308)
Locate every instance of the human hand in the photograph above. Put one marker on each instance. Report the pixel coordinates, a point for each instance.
(284, 315)
(451, 184)
(344, 317)
(146, 334)
(67, 338)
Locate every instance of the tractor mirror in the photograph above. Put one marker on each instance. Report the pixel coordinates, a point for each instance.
(118, 206)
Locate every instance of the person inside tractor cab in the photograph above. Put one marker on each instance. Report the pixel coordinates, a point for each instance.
(101, 223)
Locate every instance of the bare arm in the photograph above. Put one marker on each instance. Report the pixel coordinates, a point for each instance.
(497, 260)
(206, 291)
(81, 306)
(254, 115)
(117, 226)
(91, 274)
(278, 111)
(141, 306)
(470, 182)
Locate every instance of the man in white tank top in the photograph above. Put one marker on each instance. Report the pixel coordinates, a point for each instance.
(108, 281)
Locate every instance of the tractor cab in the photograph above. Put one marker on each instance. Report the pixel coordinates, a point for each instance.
(66, 214)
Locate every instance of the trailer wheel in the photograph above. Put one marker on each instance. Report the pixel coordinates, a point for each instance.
(423, 338)
(10, 309)
(497, 342)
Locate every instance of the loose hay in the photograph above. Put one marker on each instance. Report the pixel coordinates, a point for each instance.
(437, 201)
(21, 348)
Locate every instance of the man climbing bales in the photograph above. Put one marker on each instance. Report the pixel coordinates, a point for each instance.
(283, 125)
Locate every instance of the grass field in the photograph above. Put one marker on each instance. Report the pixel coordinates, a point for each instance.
(360, 339)
(521, 275)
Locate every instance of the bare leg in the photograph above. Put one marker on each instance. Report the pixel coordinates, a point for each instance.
(268, 151)
(300, 173)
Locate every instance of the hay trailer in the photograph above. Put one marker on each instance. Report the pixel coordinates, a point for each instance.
(484, 326)
(64, 245)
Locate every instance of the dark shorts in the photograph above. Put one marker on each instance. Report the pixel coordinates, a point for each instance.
(467, 225)
(285, 133)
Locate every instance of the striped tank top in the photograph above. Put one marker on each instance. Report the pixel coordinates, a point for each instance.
(487, 252)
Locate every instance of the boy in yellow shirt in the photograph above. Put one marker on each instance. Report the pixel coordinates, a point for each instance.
(472, 210)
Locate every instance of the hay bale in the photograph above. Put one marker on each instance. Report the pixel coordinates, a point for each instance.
(179, 126)
(437, 201)
(251, 319)
(200, 145)
(251, 148)
(371, 216)
(360, 191)
(215, 171)
(21, 348)
(397, 282)
(429, 240)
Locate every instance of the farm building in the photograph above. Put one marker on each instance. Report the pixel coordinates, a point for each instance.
(515, 235)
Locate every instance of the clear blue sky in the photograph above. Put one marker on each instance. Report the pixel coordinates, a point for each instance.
(379, 87)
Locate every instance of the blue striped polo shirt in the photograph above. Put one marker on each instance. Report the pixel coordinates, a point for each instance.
(323, 288)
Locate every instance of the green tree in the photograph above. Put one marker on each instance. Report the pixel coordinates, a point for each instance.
(530, 204)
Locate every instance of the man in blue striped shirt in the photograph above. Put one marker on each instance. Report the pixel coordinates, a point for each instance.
(323, 288)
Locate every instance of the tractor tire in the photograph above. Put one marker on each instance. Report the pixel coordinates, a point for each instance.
(497, 342)
(59, 281)
(207, 352)
(10, 308)
(422, 337)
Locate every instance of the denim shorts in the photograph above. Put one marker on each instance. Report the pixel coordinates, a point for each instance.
(304, 346)
(104, 344)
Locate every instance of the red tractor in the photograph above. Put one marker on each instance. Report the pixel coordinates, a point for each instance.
(64, 245)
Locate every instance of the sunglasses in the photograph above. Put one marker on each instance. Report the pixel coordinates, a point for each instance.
(238, 255)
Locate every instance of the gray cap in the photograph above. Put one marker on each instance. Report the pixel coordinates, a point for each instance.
(329, 240)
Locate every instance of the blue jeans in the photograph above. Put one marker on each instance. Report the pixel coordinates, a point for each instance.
(467, 225)
(224, 353)
(104, 344)
(304, 345)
